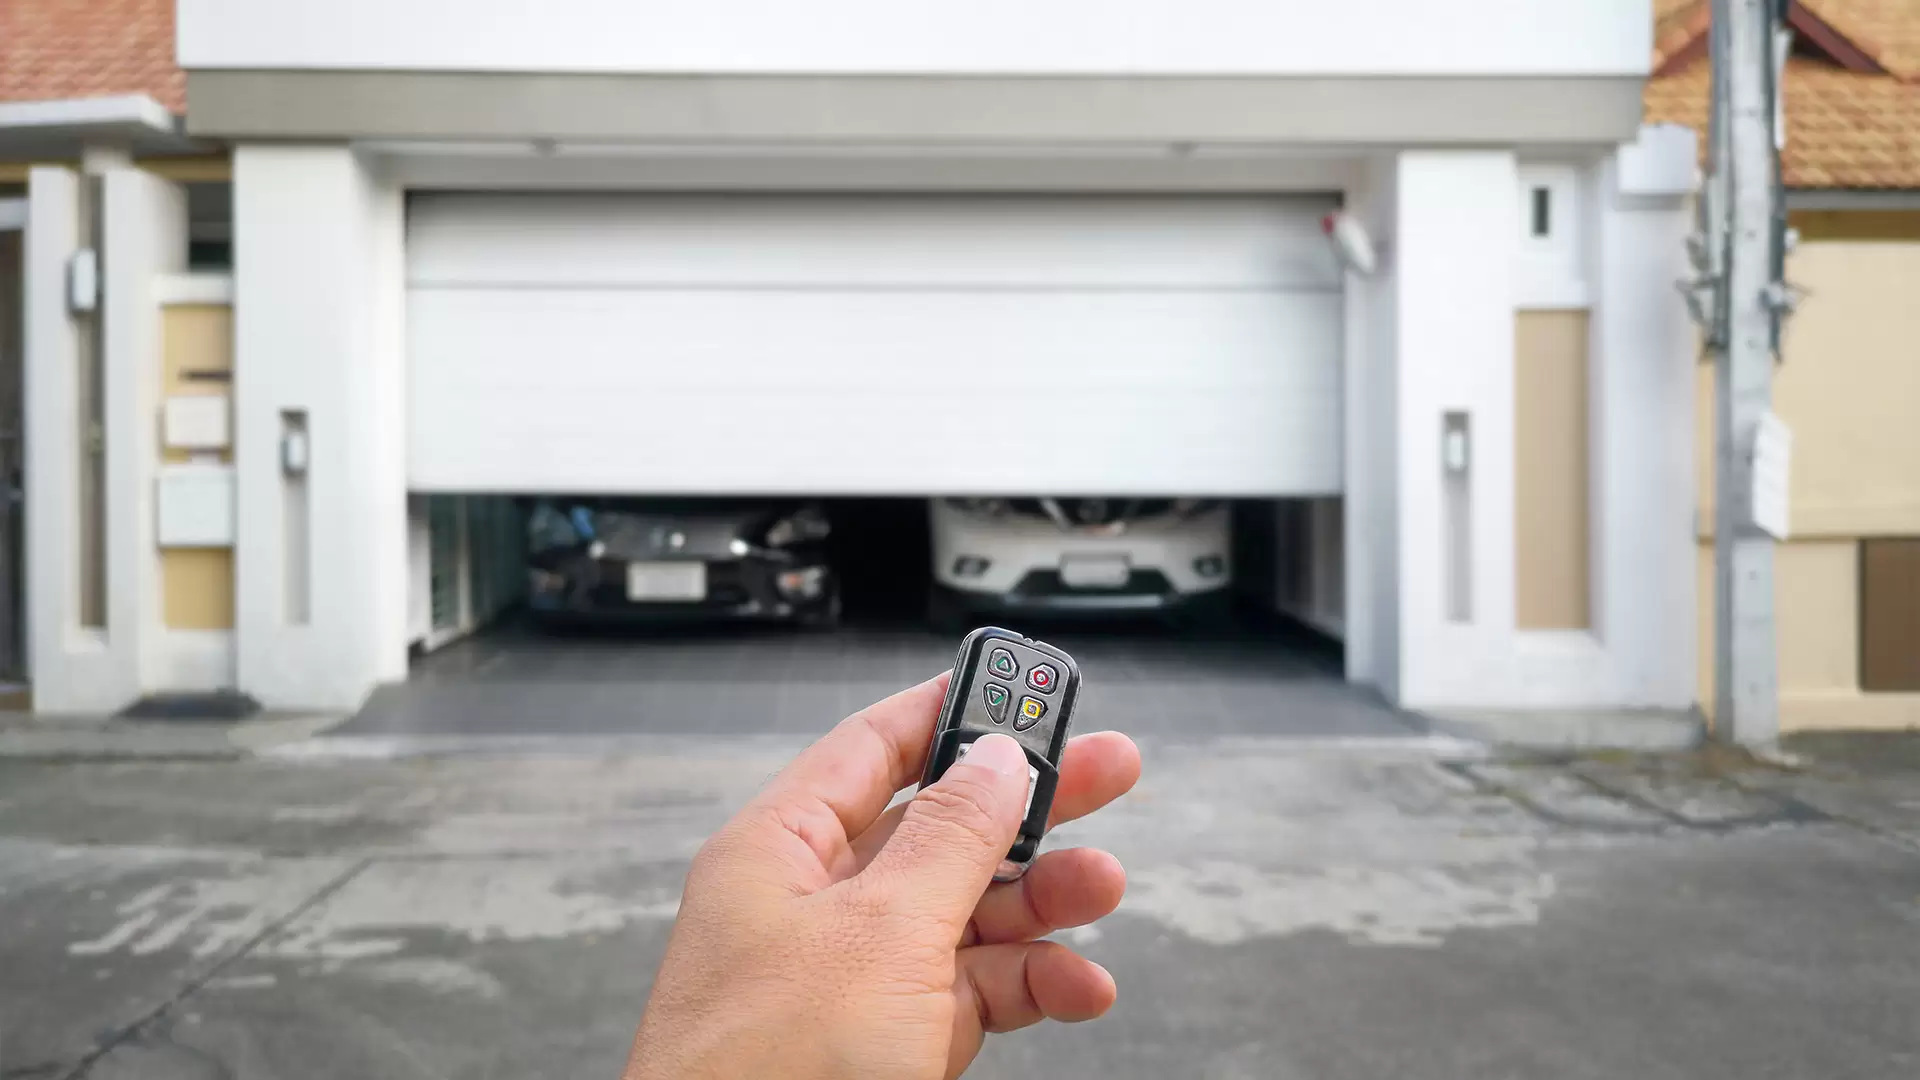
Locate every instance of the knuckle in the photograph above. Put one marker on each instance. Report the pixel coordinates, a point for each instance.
(719, 848)
(728, 849)
(712, 853)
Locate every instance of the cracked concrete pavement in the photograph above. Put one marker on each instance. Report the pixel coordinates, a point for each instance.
(1298, 908)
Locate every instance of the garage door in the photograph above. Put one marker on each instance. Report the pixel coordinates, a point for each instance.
(862, 345)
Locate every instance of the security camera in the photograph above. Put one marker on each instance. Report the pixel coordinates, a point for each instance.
(1350, 241)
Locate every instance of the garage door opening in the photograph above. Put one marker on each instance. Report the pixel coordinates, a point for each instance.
(1271, 666)
(1197, 570)
(881, 551)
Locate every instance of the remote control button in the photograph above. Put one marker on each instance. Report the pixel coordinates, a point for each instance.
(1001, 663)
(996, 698)
(1031, 710)
(1042, 678)
(1033, 780)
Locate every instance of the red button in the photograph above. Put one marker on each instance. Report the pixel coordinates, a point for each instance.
(1041, 678)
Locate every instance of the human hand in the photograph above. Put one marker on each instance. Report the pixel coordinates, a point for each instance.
(822, 934)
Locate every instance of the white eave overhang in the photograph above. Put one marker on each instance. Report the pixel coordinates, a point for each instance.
(42, 130)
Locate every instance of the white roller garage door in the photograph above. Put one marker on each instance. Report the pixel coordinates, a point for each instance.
(872, 345)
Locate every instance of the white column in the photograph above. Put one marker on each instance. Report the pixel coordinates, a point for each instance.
(146, 236)
(1453, 351)
(72, 667)
(142, 234)
(1644, 355)
(1372, 434)
(321, 563)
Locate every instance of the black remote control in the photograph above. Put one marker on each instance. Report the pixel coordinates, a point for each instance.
(1016, 686)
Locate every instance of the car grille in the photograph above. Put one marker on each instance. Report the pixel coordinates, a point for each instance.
(727, 582)
(1138, 583)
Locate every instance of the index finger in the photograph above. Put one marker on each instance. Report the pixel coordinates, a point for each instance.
(855, 769)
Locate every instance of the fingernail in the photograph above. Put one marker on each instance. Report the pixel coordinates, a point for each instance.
(999, 753)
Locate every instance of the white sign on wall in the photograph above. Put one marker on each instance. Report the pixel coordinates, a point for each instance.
(195, 506)
(196, 422)
(1772, 455)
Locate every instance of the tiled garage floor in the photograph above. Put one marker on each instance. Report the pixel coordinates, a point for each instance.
(518, 681)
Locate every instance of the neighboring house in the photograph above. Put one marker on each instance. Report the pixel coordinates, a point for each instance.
(864, 248)
(1848, 583)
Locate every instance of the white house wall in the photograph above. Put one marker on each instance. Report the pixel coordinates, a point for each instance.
(104, 668)
(1200, 74)
(1643, 390)
(1453, 268)
(1372, 430)
(73, 668)
(320, 327)
(146, 236)
(1138, 37)
(317, 334)
(1454, 351)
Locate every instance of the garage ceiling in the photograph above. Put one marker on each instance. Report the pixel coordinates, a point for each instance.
(872, 345)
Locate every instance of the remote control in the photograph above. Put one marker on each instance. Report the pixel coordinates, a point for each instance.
(1016, 686)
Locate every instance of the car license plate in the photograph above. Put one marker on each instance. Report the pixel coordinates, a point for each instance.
(1094, 571)
(676, 581)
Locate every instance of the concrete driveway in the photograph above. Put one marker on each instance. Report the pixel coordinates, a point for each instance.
(1298, 908)
(725, 680)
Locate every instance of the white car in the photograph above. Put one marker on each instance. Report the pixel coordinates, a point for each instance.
(1079, 555)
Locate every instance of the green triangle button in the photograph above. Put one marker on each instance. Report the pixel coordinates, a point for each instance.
(996, 699)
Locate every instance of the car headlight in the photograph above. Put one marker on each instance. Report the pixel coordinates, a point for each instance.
(807, 583)
(798, 527)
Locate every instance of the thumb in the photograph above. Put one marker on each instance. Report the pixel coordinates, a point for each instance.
(954, 833)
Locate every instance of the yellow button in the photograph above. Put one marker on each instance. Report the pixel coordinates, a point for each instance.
(1031, 710)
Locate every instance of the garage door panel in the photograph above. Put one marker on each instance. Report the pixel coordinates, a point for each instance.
(882, 384)
(552, 241)
(884, 343)
(776, 447)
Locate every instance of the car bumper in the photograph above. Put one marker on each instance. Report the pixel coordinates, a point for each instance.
(1014, 549)
(1041, 591)
(735, 589)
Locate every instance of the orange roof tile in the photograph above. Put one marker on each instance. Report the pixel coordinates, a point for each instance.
(55, 49)
(1845, 129)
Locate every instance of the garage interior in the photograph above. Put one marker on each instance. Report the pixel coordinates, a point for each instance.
(888, 349)
(487, 669)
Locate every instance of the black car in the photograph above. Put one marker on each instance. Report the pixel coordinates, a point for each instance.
(631, 557)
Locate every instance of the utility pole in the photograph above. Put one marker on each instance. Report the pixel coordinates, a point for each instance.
(1739, 299)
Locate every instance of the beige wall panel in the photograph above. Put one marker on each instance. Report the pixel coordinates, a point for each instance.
(1817, 598)
(196, 584)
(1850, 384)
(197, 588)
(1552, 577)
